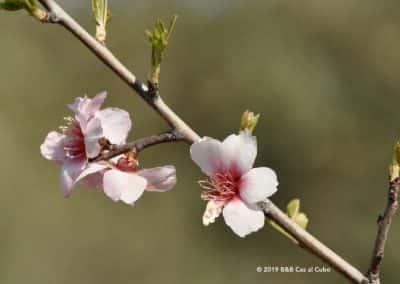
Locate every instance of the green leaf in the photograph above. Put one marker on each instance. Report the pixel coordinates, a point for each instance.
(29, 5)
(293, 207)
(158, 38)
(101, 15)
(13, 5)
(281, 230)
(301, 220)
(293, 211)
(249, 121)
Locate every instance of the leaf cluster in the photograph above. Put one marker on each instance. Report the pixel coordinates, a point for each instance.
(158, 38)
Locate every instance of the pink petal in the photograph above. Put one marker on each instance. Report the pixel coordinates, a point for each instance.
(85, 108)
(257, 185)
(97, 101)
(116, 124)
(70, 170)
(92, 133)
(207, 154)
(53, 146)
(92, 175)
(240, 151)
(242, 219)
(213, 210)
(127, 187)
(159, 179)
(93, 181)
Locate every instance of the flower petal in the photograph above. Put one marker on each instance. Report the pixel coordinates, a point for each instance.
(92, 133)
(116, 124)
(53, 146)
(240, 151)
(159, 179)
(213, 210)
(91, 169)
(70, 170)
(258, 184)
(241, 219)
(85, 108)
(207, 154)
(127, 187)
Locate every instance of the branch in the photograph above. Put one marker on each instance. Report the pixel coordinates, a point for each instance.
(311, 244)
(151, 96)
(59, 16)
(139, 145)
(384, 222)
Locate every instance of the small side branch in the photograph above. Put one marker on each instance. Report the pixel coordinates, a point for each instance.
(311, 244)
(139, 145)
(384, 222)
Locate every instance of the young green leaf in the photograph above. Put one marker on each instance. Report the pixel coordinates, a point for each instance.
(101, 15)
(13, 5)
(301, 220)
(249, 121)
(28, 5)
(158, 38)
(293, 211)
(293, 207)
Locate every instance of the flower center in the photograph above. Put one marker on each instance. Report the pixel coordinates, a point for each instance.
(74, 145)
(128, 163)
(220, 187)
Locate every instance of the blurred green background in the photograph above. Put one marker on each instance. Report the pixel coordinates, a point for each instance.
(324, 76)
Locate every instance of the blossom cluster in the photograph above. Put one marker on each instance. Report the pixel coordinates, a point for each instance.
(81, 140)
(232, 187)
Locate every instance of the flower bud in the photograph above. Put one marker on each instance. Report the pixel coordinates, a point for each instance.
(249, 121)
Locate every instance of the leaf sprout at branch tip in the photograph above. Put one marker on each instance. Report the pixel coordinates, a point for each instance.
(294, 213)
(102, 16)
(249, 121)
(394, 167)
(158, 38)
(29, 5)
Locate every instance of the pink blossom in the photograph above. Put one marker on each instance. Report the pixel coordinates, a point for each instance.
(79, 139)
(233, 186)
(122, 181)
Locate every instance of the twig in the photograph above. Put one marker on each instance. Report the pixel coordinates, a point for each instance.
(384, 222)
(139, 145)
(59, 16)
(311, 244)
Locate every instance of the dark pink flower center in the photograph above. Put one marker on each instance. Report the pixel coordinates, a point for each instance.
(74, 145)
(127, 165)
(220, 187)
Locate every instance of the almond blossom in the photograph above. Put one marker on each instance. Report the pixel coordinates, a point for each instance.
(80, 139)
(233, 187)
(122, 181)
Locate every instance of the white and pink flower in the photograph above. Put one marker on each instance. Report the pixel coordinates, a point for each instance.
(80, 138)
(233, 186)
(122, 181)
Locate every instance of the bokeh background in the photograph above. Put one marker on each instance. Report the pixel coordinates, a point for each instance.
(323, 74)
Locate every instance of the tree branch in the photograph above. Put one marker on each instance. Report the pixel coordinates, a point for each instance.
(59, 16)
(311, 244)
(384, 222)
(139, 145)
